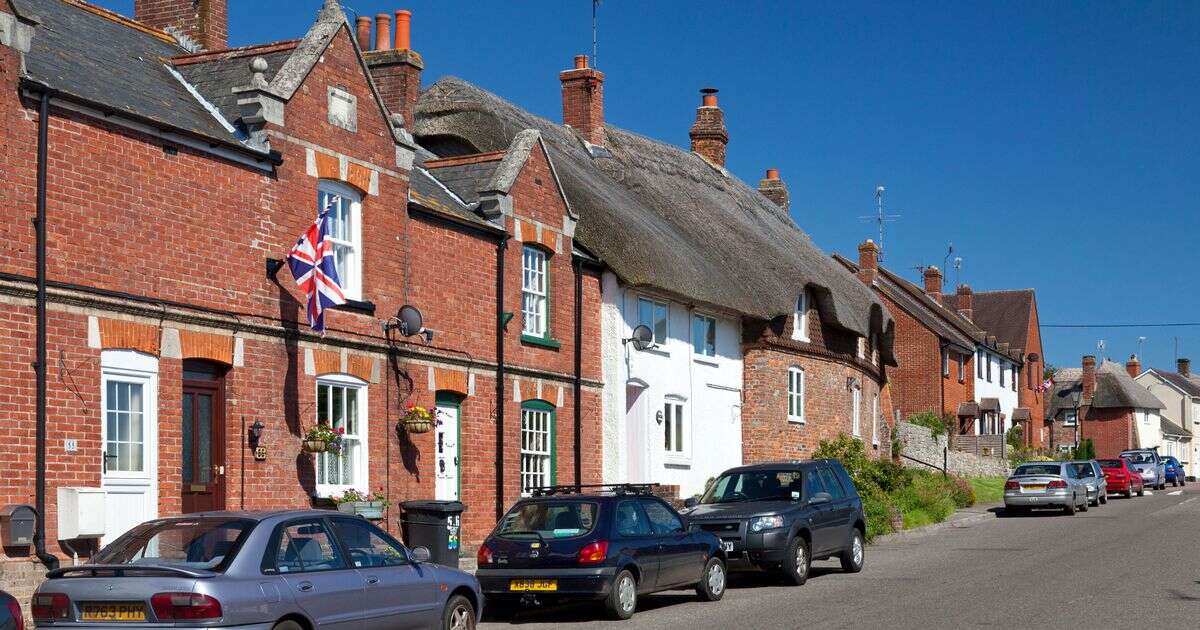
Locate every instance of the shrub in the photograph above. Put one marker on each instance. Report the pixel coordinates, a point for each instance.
(1015, 437)
(929, 420)
(851, 453)
(962, 492)
(888, 476)
(877, 508)
(925, 500)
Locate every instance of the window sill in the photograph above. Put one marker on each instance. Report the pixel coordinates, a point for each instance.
(706, 360)
(540, 341)
(357, 306)
(677, 461)
(795, 420)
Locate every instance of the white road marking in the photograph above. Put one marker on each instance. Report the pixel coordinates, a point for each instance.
(1175, 494)
(1149, 494)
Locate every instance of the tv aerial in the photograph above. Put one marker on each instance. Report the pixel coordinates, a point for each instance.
(880, 217)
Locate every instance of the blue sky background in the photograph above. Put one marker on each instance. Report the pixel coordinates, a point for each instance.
(1056, 144)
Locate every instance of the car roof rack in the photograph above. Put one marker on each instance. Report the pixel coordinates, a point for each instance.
(620, 489)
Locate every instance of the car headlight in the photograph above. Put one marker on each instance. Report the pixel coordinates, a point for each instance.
(766, 522)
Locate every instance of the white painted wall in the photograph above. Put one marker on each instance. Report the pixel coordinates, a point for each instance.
(1149, 428)
(985, 389)
(1181, 409)
(637, 385)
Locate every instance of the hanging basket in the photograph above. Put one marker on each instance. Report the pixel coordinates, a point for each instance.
(418, 426)
(314, 446)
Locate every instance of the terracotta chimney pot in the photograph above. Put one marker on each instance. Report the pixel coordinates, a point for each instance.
(363, 28)
(383, 27)
(403, 30)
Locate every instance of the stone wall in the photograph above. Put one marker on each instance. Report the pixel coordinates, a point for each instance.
(20, 578)
(922, 450)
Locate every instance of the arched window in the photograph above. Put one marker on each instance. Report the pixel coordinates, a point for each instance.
(344, 228)
(800, 318)
(342, 404)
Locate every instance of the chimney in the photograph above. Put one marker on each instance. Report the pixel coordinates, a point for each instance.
(1183, 366)
(583, 100)
(708, 134)
(363, 32)
(1089, 378)
(774, 189)
(933, 283)
(395, 66)
(868, 261)
(205, 21)
(966, 301)
(1133, 366)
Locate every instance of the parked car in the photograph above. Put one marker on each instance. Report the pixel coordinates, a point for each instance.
(782, 516)
(1121, 477)
(1174, 472)
(283, 570)
(1045, 485)
(607, 543)
(1147, 462)
(1092, 475)
(10, 613)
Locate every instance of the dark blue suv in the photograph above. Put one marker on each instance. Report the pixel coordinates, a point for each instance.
(608, 543)
(1174, 471)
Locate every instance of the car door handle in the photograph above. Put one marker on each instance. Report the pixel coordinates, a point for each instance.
(304, 587)
(372, 580)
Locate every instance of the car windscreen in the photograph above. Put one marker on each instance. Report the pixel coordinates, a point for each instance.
(1038, 469)
(1111, 463)
(1139, 457)
(1083, 470)
(755, 485)
(549, 519)
(206, 543)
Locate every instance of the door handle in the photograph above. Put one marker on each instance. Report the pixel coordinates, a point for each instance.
(372, 580)
(305, 587)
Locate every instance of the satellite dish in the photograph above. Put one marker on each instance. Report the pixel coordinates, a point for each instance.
(410, 320)
(642, 338)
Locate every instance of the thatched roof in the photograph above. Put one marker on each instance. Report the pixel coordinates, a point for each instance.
(663, 217)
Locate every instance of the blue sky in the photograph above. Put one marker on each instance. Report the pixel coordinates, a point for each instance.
(1056, 144)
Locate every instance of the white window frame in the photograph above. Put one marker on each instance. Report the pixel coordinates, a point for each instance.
(1070, 418)
(653, 325)
(800, 318)
(946, 362)
(795, 393)
(875, 419)
(861, 350)
(675, 414)
(856, 410)
(713, 321)
(361, 465)
(352, 284)
(962, 368)
(537, 445)
(535, 292)
(129, 366)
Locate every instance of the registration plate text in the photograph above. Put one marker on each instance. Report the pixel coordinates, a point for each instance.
(1034, 488)
(124, 611)
(727, 545)
(533, 585)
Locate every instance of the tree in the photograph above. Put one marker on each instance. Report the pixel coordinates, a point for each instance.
(1048, 372)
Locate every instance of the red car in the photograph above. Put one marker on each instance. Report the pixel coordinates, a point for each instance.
(1121, 477)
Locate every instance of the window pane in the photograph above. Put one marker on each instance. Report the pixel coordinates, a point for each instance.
(337, 410)
(204, 439)
(667, 426)
(307, 547)
(367, 545)
(351, 411)
(323, 403)
(678, 428)
(187, 439)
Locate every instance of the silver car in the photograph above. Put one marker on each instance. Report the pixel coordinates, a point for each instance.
(258, 571)
(1147, 462)
(1092, 475)
(1045, 485)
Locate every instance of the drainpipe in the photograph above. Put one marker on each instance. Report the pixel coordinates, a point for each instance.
(501, 247)
(39, 222)
(578, 392)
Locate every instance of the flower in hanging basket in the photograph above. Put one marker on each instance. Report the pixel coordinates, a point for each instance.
(418, 419)
(323, 438)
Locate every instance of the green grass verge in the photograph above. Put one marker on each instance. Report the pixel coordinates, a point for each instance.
(988, 489)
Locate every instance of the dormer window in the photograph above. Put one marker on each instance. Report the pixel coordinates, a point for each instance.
(800, 318)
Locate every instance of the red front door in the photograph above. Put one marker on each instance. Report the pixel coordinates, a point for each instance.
(203, 456)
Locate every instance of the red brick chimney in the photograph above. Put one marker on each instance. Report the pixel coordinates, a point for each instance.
(1133, 366)
(966, 301)
(1089, 378)
(868, 261)
(933, 283)
(708, 133)
(774, 189)
(395, 66)
(206, 21)
(1183, 366)
(583, 100)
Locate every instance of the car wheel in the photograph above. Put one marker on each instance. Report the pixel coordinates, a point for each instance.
(1083, 507)
(1070, 509)
(1142, 491)
(712, 583)
(622, 599)
(459, 614)
(854, 555)
(287, 625)
(1104, 498)
(797, 561)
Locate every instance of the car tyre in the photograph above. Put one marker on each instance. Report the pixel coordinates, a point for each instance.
(855, 555)
(1142, 491)
(1083, 507)
(287, 624)
(1069, 510)
(713, 581)
(1104, 498)
(797, 562)
(622, 598)
(459, 614)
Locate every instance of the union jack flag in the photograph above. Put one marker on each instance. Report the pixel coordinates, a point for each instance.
(312, 265)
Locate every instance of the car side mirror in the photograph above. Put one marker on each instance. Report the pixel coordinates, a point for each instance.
(420, 555)
(691, 502)
(819, 498)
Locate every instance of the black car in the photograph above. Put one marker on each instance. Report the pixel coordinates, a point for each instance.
(610, 543)
(782, 516)
(10, 613)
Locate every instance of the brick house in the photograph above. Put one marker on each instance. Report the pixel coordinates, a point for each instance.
(1179, 390)
(1104, 403)
(763, 346)
(178, 174)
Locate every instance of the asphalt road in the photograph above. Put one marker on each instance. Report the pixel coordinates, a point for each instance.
(1128, 564)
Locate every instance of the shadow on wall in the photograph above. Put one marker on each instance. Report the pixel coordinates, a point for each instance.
(410, 455)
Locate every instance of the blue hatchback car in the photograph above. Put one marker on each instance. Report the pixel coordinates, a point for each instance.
(605, 543)
(1175, 473)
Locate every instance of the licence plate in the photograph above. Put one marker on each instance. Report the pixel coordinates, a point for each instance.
(1034, 488)
(116, 611)
(533, 585)
(727, 545)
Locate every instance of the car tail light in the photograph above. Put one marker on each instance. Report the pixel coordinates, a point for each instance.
(185, 606)
(1056, 484)
(1011, 484)
(51, 606)
(14, 611)
(593, 552)
(485, 555)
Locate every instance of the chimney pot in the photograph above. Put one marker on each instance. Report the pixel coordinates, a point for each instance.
(403, 30)
(383, 27)
(1133, 366)
(708, 133)
(581, 62)
(363, 30)
(774, 189)
(1183, 366)
(772, 173)
(933, 283)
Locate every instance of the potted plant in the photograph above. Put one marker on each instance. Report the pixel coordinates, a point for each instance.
(369, 506)
(323, 438)
(418, 419)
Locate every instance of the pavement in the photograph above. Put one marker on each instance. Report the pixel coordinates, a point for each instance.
(1128, 564)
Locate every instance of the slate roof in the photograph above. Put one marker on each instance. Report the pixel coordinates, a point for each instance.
(214, 77)
(1170, 428)
(1004, 314)
(1115, 389)
(100, 58)
(664, 217)
(428, 191)
(1187, 385)
(466, 180)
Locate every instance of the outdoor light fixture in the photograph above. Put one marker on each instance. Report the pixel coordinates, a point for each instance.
(256, 431)
(273, 267)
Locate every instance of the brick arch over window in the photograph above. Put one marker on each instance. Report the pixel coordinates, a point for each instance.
(208, 346)
(332, 168)
(119, 334)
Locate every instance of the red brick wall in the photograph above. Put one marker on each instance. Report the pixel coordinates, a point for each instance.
(206, 21)
(1111, 430)
(917, 382)
(1028, 393)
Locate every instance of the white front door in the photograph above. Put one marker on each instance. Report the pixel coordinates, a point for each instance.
(128, 433)
(446, 448)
